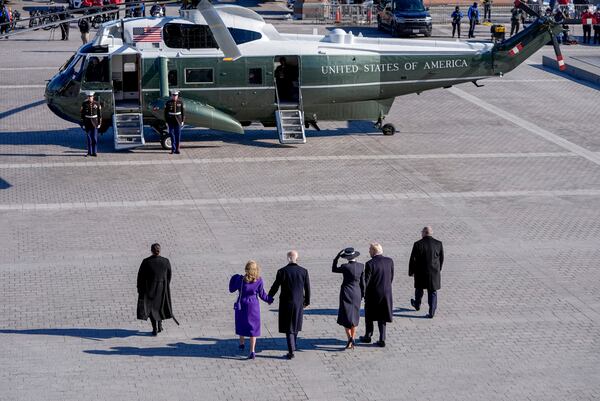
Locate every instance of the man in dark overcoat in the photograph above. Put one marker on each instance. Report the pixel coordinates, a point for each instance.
(379, 274)
(154, 294)
(295, 296)
(426, 260)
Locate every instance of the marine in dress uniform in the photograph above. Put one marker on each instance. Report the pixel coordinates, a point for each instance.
(91, 118)
(426, 260)
(174, 116)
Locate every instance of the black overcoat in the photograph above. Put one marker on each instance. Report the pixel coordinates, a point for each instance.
(295, 295)
(426, 260)
(351, 292)
(154, 294)
(379, 274)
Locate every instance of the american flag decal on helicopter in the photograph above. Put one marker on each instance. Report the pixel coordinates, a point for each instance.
(147, 34)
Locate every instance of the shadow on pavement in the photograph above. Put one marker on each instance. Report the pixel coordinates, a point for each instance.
(400, 312)
(224, 349)
(19, 109)
(89, 334)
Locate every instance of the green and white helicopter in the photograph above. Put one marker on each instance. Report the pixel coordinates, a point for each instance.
(232, 68)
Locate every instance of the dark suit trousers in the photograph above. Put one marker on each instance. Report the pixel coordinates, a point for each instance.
(155, 323)
(380, 325)
(292, 342)
(431, 299)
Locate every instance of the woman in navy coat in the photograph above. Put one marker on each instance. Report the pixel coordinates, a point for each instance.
(351, 292)
(247, 306)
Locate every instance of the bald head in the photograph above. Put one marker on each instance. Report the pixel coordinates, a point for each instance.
(292, 256)
(427, 231)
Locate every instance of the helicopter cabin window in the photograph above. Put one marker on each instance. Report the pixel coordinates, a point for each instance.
(187, 36)
(172, 76)
(199, 76)
(255, 76)
(97, 69)
(243, 35)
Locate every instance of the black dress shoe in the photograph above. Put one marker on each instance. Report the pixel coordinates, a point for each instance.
(290, 355)
(381, 343)
(154, 333)
(160, 327)
(364, 339)
(429, 316)
(412, 302)
(349, 343)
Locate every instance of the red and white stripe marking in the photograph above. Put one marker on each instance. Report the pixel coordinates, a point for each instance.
(561, 63)
(515, 50)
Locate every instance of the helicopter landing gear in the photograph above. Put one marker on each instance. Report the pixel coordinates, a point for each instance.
(165, 142)
(388, 129)
(165, 138)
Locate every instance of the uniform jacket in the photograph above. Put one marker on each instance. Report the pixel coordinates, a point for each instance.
(153, 285)
(174, 112)
(91, 114)
(84, 26)
(379, 274)
(426, 260)
(473, 13)
(456, 16)
(585, 16)
(295, 295)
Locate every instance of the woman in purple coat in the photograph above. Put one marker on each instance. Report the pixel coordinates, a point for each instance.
(247, 306)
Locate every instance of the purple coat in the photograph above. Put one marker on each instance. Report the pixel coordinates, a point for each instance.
(247, 317)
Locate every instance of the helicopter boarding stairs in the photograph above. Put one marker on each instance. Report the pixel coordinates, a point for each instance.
(290, 120)
(128, 125)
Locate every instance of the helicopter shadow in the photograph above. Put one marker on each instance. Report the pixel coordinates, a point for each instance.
(19, 109)
(566, 76)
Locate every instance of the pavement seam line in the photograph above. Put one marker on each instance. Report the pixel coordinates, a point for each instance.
(547, 135)
(293, 199)
(274, 159)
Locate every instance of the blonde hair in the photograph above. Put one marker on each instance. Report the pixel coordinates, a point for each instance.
(252, 271)
(376, 249)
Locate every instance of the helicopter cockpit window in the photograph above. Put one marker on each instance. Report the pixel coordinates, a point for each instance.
(97, 69)
(187, 36)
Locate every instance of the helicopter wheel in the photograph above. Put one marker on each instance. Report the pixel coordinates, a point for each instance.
(165, 142)
(388, 129)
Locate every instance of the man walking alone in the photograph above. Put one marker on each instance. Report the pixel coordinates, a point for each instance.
(425, 265)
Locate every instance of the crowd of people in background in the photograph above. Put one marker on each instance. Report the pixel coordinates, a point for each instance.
(588, 15)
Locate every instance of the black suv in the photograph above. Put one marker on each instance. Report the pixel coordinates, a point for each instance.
(405, 18)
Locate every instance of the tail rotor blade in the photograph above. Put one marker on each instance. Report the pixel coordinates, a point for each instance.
(219, 30)
(559, 57)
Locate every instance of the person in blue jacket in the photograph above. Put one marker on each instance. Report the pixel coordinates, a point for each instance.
(473, 15)
(456, 18)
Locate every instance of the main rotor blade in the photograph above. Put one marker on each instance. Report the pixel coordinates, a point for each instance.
(219, 30)
(559, 57)
(526, 8)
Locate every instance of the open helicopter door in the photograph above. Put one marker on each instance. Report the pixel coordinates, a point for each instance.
(128, 123)
(289, 114)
